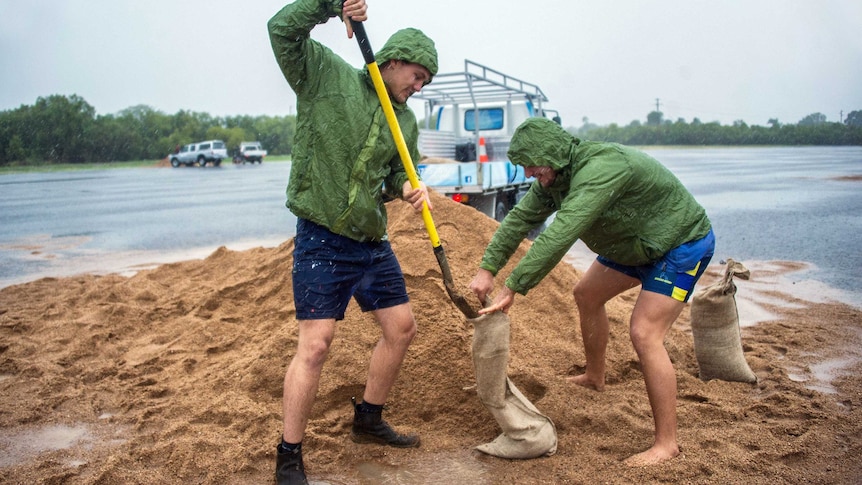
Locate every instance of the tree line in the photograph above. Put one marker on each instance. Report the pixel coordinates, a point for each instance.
(811, 130)
(66, 129)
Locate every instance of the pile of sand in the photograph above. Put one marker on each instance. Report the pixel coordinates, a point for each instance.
(175, 374)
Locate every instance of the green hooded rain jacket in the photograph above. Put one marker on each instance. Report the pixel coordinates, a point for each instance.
(343, 152)
(621, 202)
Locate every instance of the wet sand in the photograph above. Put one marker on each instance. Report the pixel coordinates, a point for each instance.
(174, 375)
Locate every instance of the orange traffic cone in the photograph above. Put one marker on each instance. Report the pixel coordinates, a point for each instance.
(483, 154)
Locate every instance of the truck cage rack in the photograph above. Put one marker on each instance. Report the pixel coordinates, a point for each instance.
(476, 84)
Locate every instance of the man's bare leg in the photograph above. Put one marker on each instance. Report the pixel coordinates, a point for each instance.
(598, 285)
(652, 317)
(398, 327)
(303, 375)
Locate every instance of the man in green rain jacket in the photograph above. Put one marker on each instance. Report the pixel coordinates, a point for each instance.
(647, 230)
(344, 158)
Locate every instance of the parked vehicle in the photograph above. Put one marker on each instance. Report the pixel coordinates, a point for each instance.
(464, 154)
(210, 151)
(249, 152)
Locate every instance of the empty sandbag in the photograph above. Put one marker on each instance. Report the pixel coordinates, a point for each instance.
(527, 433)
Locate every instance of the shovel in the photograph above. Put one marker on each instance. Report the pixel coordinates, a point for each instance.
(406, 160)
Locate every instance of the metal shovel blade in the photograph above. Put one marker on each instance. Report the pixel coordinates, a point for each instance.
(457, 298)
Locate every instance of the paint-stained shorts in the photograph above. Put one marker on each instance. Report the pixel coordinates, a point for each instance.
(329, 269)
(676, 273)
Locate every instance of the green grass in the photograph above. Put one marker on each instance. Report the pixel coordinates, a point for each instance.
(72, 167)
(277, 158)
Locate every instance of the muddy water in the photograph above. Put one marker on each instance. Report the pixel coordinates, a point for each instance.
(19, 446)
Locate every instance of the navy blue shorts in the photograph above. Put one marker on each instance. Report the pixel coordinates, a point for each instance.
(676, 273)
(329, 269)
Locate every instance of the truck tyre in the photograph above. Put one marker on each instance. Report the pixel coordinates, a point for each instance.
(202, 161)
(175, 163)
(500, 211)
(217, 162)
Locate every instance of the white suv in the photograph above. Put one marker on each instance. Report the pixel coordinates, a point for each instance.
(210, 151)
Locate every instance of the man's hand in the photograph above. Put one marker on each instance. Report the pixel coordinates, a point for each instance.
(482, 285)
(504, 300)
(355, 10)
(415, 197)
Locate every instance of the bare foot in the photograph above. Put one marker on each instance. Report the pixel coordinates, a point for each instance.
(652, 456)
(584, 381)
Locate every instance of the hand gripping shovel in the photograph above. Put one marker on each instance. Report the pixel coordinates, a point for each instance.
(386, 103)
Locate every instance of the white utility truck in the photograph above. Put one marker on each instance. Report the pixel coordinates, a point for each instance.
(210, 151)
(475, 113)
(249, 152)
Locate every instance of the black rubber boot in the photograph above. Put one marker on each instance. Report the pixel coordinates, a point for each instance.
(289, 469)
(369, 427)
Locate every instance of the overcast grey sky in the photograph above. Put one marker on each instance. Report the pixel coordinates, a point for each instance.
(607, 60)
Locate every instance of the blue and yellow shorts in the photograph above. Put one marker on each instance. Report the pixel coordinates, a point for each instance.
(676, 273)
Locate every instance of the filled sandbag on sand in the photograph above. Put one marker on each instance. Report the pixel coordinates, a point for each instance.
(715, 327)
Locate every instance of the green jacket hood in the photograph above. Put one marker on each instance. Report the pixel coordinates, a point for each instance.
(410, 45)
(540, 142)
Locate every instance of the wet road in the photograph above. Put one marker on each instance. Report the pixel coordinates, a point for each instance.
(58, 224)
(782, 203)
